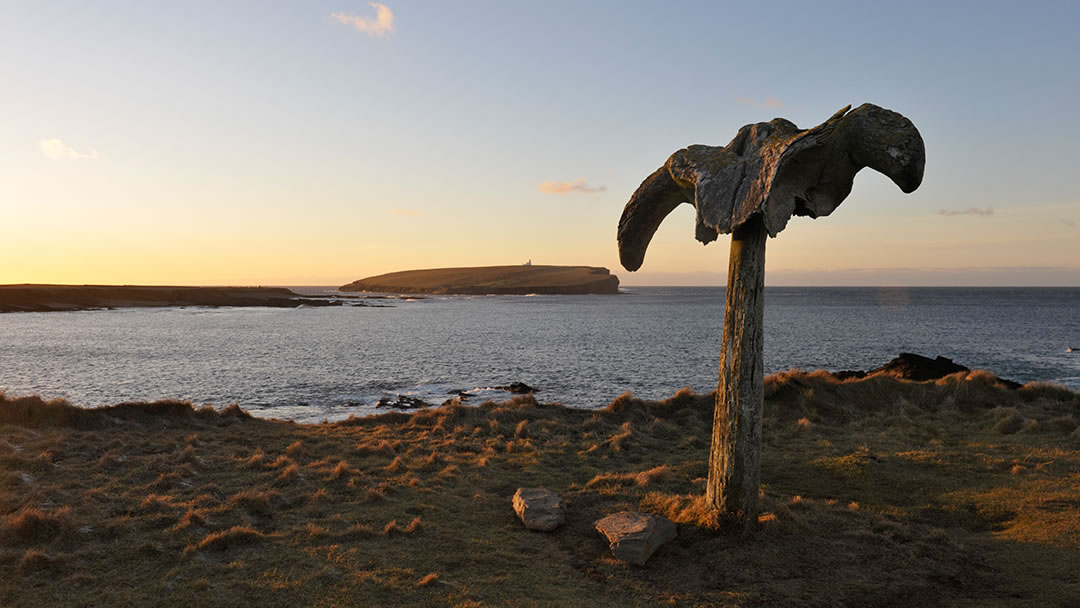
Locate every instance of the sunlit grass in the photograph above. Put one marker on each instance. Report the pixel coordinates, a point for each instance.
(876, 491)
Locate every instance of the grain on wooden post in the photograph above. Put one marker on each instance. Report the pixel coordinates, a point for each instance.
(735, 456)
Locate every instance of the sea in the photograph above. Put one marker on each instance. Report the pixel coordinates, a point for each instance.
(311, 364)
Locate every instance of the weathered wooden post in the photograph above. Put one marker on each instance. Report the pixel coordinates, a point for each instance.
(750, 188)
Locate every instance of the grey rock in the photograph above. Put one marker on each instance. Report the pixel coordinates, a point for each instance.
(635, 536)
(539, 508)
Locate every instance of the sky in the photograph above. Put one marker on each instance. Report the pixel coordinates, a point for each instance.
(318, 142)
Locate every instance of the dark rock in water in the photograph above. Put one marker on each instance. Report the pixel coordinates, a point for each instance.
(518, 388)
(909, 366)
(848, 374)
(402, 402)
(460, 396)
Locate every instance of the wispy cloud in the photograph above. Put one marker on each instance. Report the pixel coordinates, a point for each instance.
(770, 102)
(1067, 222)
(969, 211)
(569, 187)
(404, 212)
(58, 150)
(382, 23)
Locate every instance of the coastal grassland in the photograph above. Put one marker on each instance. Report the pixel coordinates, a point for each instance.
(877, 491)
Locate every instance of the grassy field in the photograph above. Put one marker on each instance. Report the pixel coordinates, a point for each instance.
(878, 492)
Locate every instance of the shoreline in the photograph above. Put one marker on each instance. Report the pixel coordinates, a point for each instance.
(57, 298)
(314, 408)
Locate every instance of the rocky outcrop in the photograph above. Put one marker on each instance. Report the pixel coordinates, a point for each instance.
(909, 366)
(539, 508)
(634, 537)
(518, 388)
(917, 368)
(402, 402)
(493, 280)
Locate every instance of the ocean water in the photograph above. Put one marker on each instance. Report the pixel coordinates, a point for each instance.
(311, 364)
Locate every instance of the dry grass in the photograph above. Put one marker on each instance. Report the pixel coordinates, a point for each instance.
(35, 561)
(642, 478)
(255, 502)
(224, 540)
(34, 412)
(429, 579)
(876, 492)
(31, 525)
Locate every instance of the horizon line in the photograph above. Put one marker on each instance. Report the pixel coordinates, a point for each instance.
(621, 285)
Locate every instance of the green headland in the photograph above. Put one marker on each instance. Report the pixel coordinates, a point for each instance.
(500, 280)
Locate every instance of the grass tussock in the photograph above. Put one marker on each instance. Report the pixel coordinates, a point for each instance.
(428, 579)
(689, 509)
(193, 518)
(875, 491)
(1046, 390)
(256, 460)
(31, 525)
(1010, 421)
(392, 527)
(36, 561)
(341, 469)
(34, 412)
(290, 473)
(648, 477)
(224, 540)
(261, 503)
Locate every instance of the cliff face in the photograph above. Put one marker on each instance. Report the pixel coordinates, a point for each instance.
(503, 280)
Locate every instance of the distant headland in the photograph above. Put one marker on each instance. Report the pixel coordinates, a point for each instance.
(51, 298)
(500, 280)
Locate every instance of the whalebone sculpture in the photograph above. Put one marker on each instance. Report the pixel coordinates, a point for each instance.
(750, 188)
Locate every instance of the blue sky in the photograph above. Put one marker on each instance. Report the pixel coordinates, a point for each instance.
(274, 143)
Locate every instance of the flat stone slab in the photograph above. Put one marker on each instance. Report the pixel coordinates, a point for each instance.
(635, 536)
(539, 508)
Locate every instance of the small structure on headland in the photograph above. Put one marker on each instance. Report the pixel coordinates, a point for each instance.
(750, 188)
